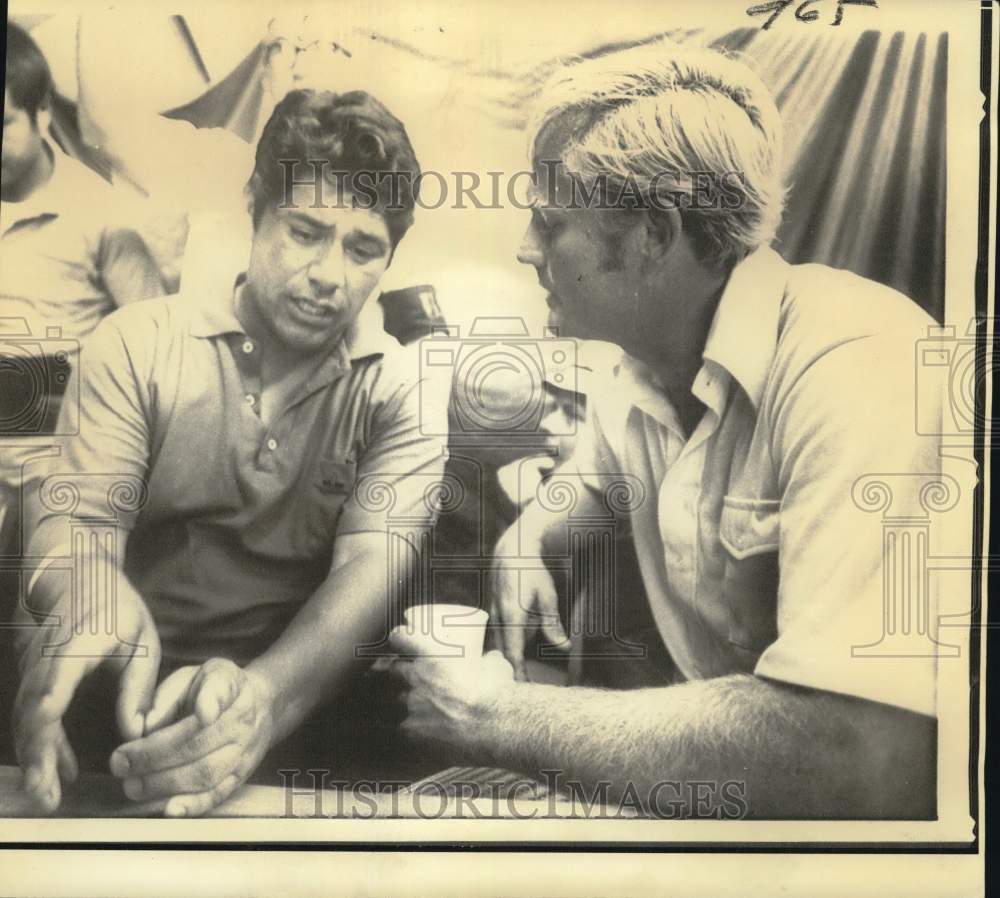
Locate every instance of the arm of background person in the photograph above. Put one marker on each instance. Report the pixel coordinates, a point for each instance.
(523, 596)
(127, 267)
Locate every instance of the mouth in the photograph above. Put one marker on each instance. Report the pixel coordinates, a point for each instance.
(312, 309)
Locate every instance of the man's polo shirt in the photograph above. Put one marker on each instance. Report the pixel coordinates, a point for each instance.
(237, 519)
(59, 249)
(757, 551)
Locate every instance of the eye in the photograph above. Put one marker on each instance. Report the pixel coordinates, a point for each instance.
(363, 253)
(547, 224)
(303, 235)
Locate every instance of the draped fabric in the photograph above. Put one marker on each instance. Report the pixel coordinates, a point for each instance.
(864, 116)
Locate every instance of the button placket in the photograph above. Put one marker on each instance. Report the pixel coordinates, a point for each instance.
(247, 356)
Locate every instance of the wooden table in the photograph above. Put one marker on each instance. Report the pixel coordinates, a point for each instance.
(497, 794)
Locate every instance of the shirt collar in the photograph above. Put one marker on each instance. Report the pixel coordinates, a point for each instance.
(215, 315)
(744, 332)
(741, 342)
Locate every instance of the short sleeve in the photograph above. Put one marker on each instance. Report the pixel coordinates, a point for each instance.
(400, 476)
(844, 429)
(100, 469)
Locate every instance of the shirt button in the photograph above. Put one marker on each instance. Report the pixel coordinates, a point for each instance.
(250, 399)
(272, 444)
(248, 346)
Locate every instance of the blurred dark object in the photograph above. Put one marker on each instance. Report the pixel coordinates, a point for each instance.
(31, 390)
(411, 313)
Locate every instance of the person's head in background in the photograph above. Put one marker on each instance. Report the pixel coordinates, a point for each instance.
(26, 163)
(304, 52)
(685, 145)
(320, 246)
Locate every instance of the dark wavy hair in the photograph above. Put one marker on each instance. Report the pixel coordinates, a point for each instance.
(28, 78)
(350, 134)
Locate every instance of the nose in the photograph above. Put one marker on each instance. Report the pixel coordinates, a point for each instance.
(530, 251)
(326, 272)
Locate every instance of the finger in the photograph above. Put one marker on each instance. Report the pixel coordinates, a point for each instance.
(137, 685)
(66, 761)
(402, 669)
(406, 645)
(167, 747)
(185, 741)
(168, 702)
(512, 637)
(216, 692)
(382, 664)
(202, 775)
(202, 803)
(39, 760)
(552, 630)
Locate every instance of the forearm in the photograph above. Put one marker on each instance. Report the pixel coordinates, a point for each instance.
(50, 589)
(128, 269)
(790, 751)
(316, 653)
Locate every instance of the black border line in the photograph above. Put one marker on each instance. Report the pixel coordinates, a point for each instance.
(991, 624)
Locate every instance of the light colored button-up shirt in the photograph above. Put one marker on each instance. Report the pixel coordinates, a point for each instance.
(755, 554)
(68, 257)
(231, 521)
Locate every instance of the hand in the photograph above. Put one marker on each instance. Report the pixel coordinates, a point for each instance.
(521, 602)
(56, 659)
(447, 700)
(209, 728)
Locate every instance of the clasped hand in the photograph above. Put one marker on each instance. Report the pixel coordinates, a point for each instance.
(209, 727)
(206, 729)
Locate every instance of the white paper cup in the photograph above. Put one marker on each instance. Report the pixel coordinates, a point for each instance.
(447, 631)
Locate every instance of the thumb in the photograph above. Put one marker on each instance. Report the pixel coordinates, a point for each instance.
(217, 691)
(137, 686)
(554, 633)
(170, 698)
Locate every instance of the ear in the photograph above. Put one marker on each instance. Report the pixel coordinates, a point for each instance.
(660, 235)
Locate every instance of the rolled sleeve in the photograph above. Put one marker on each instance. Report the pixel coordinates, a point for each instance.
(852, 471)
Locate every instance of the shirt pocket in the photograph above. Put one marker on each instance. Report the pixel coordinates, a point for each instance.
(331, 486)
(749, 531)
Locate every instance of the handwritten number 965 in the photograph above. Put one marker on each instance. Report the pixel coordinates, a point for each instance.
(802, 11)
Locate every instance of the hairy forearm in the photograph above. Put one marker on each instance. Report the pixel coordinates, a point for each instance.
(313, 657)
(793, 752)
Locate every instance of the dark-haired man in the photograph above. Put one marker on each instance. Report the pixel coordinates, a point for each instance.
(252, 413)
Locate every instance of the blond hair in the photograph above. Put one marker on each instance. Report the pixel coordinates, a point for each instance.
(660, 108)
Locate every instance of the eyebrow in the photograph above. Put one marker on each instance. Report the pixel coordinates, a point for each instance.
(355, 233)
(374, 240)
(305, 219)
